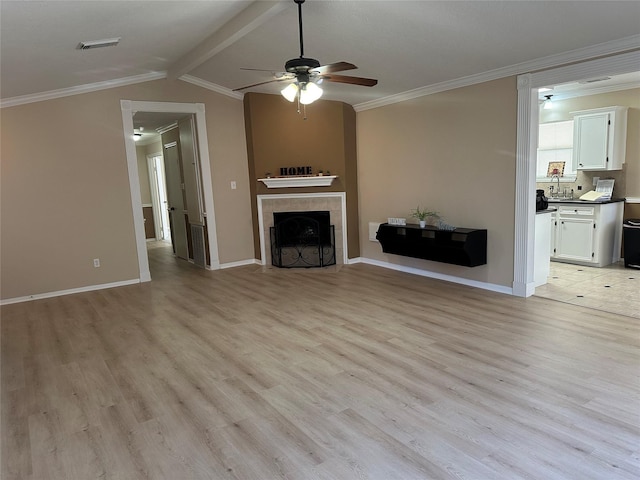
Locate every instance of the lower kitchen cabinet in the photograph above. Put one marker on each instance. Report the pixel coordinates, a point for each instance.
(588, 234)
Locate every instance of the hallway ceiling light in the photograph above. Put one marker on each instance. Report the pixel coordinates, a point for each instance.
(547, 103)
(137, 136)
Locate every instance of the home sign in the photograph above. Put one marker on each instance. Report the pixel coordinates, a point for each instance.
(296, 171)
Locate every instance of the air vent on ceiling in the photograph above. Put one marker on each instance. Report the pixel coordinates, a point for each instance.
(107, 42)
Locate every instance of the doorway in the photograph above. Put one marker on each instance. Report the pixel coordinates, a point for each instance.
(129, 108)
(528, 85)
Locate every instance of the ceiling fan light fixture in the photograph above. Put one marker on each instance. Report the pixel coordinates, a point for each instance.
(309, 93)
(290, 91)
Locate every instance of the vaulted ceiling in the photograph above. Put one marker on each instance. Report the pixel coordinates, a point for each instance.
(406, 45)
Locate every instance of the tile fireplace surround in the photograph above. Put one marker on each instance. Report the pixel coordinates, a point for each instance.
(333, 202)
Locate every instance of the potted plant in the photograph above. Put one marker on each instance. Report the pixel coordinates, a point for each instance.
(423, 214)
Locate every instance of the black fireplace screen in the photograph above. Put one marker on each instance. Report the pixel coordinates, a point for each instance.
(302, 240)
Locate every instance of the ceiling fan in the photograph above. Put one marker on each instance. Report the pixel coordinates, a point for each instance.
(306, 73)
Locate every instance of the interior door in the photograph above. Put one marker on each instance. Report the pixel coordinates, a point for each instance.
(175, 200)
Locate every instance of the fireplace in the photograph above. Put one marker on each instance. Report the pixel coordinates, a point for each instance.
(302, 239)
(333, 202)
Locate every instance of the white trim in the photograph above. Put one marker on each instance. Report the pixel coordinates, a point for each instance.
(207, 187)
(632, 200)
(570, 178)
(578, 55)
(147, 205)
(438, 276)
(343, 205)
(127, 111)
(527, 127)
(129, 108)
(299, 181)
(526, 159)
(71, 291)
(77, 90)
(240, 263)
(211, 86)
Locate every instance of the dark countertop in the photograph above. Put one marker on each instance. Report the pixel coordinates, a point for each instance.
(584, 202)
(548, 210)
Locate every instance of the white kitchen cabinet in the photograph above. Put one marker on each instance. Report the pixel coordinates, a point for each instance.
(600, 138)
(587, 234)
(575, 239)
(541, 250)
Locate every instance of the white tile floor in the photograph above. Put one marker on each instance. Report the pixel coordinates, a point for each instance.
(613, 288)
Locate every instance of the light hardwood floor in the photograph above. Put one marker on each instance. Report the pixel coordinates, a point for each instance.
(350, 373)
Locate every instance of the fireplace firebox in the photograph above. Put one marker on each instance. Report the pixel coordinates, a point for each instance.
(302, 240)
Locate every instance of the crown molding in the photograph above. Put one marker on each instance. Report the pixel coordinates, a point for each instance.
(578, 55)
(211, 86)
(543, 63)
(79, 89)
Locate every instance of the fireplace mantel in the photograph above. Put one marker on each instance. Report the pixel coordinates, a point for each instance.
(299, 181)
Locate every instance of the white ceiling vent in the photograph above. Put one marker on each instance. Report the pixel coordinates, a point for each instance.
(107, 42)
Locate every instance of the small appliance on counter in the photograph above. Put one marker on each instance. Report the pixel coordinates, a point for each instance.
(542, 202)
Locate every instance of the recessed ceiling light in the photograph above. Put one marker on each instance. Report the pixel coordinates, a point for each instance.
(107, 42)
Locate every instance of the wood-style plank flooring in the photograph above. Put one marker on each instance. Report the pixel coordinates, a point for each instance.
(349, 373)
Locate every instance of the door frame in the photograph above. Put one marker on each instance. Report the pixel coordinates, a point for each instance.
(129, 109)
(527, 140)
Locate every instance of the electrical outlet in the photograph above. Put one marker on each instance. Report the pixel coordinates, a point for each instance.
(96, 262)
(233, 185)
(579, 187)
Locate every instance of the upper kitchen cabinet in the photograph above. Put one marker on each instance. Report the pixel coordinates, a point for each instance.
(600, 138)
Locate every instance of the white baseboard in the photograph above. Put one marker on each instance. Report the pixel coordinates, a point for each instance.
(71, 291)
(438, 276)
(241, 263)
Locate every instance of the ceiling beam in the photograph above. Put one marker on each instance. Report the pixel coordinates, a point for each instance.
(247, 20)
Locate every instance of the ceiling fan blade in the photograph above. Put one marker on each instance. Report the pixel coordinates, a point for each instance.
(333, 67)
(262, 83)
(365, 82)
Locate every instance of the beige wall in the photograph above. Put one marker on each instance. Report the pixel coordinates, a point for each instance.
(627, 180)
(143, 173)
(142, 151)
(453, 152)
(65, 198)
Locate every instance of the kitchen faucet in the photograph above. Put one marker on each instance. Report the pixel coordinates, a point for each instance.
(557, 177)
